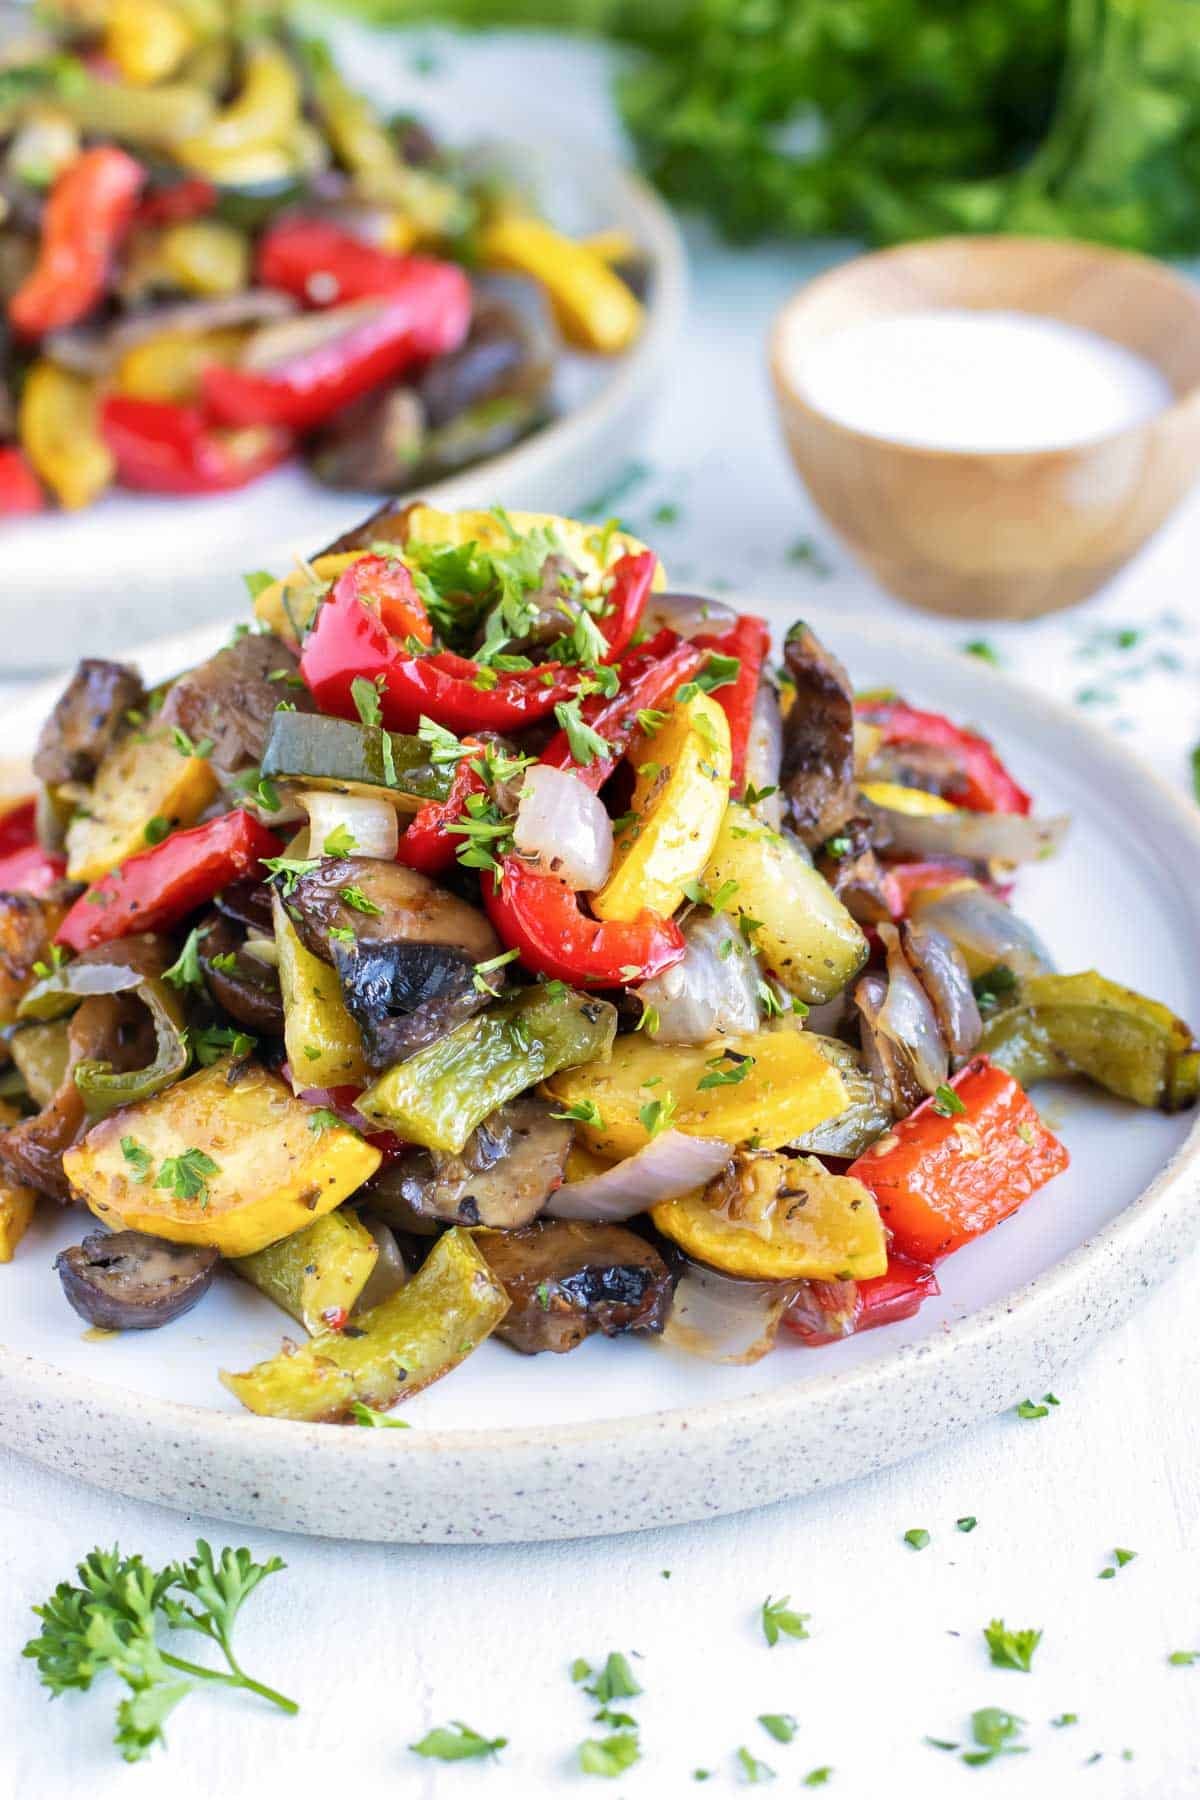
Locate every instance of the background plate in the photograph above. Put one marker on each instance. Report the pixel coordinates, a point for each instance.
(632, 1434)
(134, 566)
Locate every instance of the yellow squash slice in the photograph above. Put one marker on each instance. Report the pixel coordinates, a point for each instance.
(145, 778)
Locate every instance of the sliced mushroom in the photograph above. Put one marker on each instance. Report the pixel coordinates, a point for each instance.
(249, 991)
(87, 720)
(850, 866)
(389, 904)
(403, 996)
(508, 1169)
(232, 698)
(129, 1281)
(818, 740)
(566, 1280)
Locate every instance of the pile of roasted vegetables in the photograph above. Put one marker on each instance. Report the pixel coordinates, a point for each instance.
(489, 941)
(214, 252)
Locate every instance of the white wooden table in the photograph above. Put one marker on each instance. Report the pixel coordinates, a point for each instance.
(381, 1643)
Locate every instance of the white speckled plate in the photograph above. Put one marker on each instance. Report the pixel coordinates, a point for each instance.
(629, 1434)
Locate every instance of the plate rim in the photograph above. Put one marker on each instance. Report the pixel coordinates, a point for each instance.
(1163, 1215)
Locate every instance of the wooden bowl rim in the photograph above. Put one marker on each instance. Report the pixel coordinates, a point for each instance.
(789, 393)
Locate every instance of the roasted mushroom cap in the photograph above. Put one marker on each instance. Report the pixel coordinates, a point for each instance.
(389, 903)
(818, 740)
(855, 874)
(505, 1173)
(403, 996)
(129, 1281)
(566, 1280)
(249, 991)
(86, 721)
(232, 698)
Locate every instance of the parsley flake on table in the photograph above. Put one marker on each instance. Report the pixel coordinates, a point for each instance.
(456, 1742)
(778, 1621)
(993, 1730)
(362, 1414)
(1119, 1560)
(985, 652)
(609, 1756)
(967, 1523)
(818, 1777)
(1028, 1409)
(1011, 1649)
(616, 1680)
(186, 1175)
(1066, 1719)
(918, 1538)
(111, 1620)
(580, 1669)
(1183, 1659)
(781, 1726)
(753, 1771)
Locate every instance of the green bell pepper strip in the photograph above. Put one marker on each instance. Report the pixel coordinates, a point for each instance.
(102, 1087)
(441, 1094)
(1086, 1025)
(396, 1348)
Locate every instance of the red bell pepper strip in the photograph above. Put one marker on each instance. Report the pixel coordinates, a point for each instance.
(30, 870)
(647, 678)
(20, 490)
(426, 317)
(158, 887)
(88, 213)
(321, 264)
(539, 916)
(429, 845)
(749, 640)
(164, 448)
(18, 826)
(904, 879)
(940, 1180)
(832, 1310)
(350, 640)
(984, 784)
(632, 579)
(190, 198)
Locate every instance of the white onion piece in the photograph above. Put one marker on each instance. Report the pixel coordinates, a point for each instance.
(689, 614)
(367, 827)
(562, 827)
(724, 1320)
(707, 995)
(389, 1274)
(980, 836)
(985, 930)
(764, 755)
(670, 1165)
(908, 1017)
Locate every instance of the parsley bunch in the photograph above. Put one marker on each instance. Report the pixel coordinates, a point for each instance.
(110, 1620)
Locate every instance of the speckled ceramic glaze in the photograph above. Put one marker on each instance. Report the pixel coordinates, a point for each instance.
(629, 1435)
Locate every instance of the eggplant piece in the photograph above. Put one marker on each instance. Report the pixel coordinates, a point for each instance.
(87, 719)
(818, 740)
(249, 904)
(250, 991)
(373, 446)
(502, 1177)
(232, 698)
(508, 353)
(390, 904)
(566, 1280)
(388, 524)
(130, 1281)
(403, 996)
(850, 866)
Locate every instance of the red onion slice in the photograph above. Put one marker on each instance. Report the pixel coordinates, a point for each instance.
(563, 828)
(982, 837)
(713, 991)
(985, 930)
(908, 1017)
(670, 1165)
(724, 1320)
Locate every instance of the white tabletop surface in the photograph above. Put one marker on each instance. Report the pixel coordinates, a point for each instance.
(381, 1643)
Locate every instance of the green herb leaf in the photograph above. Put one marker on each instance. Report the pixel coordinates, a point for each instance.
(157, 829)
(753, 1771)
(1011, 1649)
(609, 1756)
(290, 868)
(185, 971)
(967, 1523)
(778, 1621)
(946, 1102)
(818, 1777)
(456, 1742)
(616, 1680)
(322, 1119)
(211, 1042)
(585, 744)
(341, 841)
(726, 1069)
(918, 1538)
(256, 581)
(358, 901)
(187, 746)
(140, 1160)
(362, 1414)
(365, 696)
(186, 1175)
(657, 1115)
(781, 1726)
(586, 1112)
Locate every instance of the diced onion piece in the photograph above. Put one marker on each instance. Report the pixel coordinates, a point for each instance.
(350, 825)
(984, 928)
(725, 1320)
(563, 829)
(713, 992)
(390, 1272)
(982, 837)
(764, 756)
(670, 1165)
(908, 1018)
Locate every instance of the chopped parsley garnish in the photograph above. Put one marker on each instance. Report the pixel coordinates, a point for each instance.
(483, 969)
(225, 963)
(580, 1669)
(586, 745)
(1028, 1409)
(918, 1538)
(139, 1159)
(157, 829)
(609, 1756)
(362, 1414)
(1011, 1649)
(753, 1771)
(323, 1119)
(185, 971)
(718, 672)
(456, 1742)
(979, 647)
(752, 795)
(616, 1680)
(726, 1069)
(818, 1777)
(186, 1175)
(650, 1021)
(43, 970)
(1119, 1559)
(487, 832)
(967, 1523)
(365, 696)
(211, 1042)
(1066, 1719)
(781, 1726)
(291, 868)
(1183, 1659)
(657, 1115)
(651, 720)
(993, 1730)
(342, 934)
(778, 1621)
(946, 1102)
(259, 788)
(187, 746)
(358, 901)
(256, 580)
(445, 750)
(586, 1112)
(341, 841)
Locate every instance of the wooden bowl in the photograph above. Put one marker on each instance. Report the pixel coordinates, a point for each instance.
(1000, 534)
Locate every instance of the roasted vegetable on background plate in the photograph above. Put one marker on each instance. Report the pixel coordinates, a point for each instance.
(488, 943)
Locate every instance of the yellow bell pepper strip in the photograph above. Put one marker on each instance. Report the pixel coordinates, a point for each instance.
(17, 1206)
(784, 909)
(779, 1218)
(288, 606)
(593, 305)
(675, 813)
(265, 111)
(205, 257)
(168, 367)
(398, 1347)
(144, 778)
(59, 430)
(1086, 1025)
(324, 1045)
(767, 1087)
(438, 1097)
(914, 802)
(317, 1274)
(227, 1157)
(146, 40)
